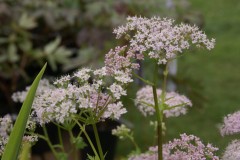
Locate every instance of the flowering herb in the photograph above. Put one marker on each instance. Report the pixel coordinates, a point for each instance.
(187, 147)
(160, 39)
(90, 96)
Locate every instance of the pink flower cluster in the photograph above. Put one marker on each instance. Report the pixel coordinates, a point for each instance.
(119, 63)
(232, 151)
(231, 124)
(188, 147)
(175, 104)
(60, 103)
(160, 38)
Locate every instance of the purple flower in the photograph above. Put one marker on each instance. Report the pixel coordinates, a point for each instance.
(231, 124)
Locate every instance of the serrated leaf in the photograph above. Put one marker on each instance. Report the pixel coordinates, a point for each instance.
(79, 142)
(62, 156)
(15, 138)
(26, 21)
(93, 157)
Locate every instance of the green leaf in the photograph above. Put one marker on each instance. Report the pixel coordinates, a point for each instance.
(93, 158)
(12, 53)
(52, 46)
(27, 22)
(79, 142)
(62, 55)
(62, 156)
(25, 46)
(15, 139)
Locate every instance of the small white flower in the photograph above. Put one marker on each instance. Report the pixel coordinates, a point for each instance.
(122, 77)
(83, 74)
(64, 80)
(100, 72)
(114, 110)
(117, 90)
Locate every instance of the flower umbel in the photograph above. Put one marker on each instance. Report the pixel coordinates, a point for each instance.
(232, 151)
(188, 147)
(175, 104)
(161, 38)
(231, 124)
(85, 95)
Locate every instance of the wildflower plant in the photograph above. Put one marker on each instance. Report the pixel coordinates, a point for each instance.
(89, 96)
(84, 98)
(162, 41)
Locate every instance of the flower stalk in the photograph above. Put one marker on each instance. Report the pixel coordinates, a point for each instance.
(158, 113)
(98, 142)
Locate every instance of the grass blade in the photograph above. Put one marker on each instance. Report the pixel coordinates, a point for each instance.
(15, 139)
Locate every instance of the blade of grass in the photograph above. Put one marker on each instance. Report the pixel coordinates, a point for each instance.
(15, 138)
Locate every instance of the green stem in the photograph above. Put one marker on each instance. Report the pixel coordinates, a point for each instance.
(163, 98)
(60, 137)
(142, 79)
(164, 85)
(49, 142)
(159, 112)
(73, 149)
(134, 143)
(159, 123)
(88, 138)
(98, 141)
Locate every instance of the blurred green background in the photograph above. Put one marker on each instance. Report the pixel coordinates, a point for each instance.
(72, 34)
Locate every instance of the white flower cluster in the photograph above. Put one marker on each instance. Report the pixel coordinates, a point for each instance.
(161, 38)
(175, 104)
(6, 126)
(44, 85)
(5, 129)
(84, 91)
(121, 131)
